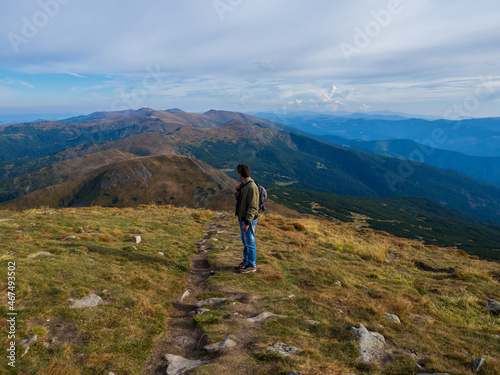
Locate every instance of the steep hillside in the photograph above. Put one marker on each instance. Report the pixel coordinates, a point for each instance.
(162, 179)
(485, 169)
(406, 217)
(13, 185)
(41, 139)
(284, 159)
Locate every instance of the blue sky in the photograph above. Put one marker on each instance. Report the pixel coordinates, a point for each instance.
(431, 57)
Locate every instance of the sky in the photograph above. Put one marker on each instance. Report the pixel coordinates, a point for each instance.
(427, 57)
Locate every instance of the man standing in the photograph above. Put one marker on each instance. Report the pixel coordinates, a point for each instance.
(247, 211)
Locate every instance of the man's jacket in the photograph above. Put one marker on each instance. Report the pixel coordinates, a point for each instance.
(247, 202)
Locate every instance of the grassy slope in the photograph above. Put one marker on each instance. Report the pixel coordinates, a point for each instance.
(138, 285)
(305, 257)
(416, 218)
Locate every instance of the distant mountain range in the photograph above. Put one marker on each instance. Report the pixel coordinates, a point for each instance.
(374, 115)
(485, 169)
(146, 156)
(30, 117)
(475, 137)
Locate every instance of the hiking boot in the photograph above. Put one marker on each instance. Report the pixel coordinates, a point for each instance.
(248, 269)
(241, 266)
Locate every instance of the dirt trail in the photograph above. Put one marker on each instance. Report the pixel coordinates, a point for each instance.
(183, 338)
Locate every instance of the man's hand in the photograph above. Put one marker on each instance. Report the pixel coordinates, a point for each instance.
(237, 187)
(244, 228)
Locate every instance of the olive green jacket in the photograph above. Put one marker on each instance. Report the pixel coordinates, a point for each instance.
(247, 209)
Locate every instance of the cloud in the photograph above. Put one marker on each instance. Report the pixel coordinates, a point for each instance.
(268, 67)
(26, 84)
(292, 54)
(75, 74)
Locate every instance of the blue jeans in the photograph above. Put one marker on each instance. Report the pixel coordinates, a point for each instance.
(249, 248)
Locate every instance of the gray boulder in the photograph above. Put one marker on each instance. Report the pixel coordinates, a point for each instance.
(478, 363)
(88, 301)
(371, 345)
(283, 349)
(184, 294)
(71, 237)
(494, 305)
(227, 343)
(392, 318)
(178, 365)
(27, 342)
(263, 316)
(40, 253)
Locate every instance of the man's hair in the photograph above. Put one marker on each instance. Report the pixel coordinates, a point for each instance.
(244, 170)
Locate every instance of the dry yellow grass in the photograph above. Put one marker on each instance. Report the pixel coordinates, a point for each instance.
(441, 309)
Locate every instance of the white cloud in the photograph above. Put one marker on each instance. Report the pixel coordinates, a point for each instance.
(292, 54)
(26, 84)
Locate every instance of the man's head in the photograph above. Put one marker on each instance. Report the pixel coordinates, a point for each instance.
(243, 170)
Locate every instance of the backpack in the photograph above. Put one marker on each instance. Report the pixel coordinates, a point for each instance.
(262, 197)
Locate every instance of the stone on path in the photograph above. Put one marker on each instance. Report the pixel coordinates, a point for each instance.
(88, 301)
(371, 345)
(40, 253)
(392, 318)
(183, 295)
(227, 343)
(289, 296)
(137, 239)
(478, 363)
(432, 373)
(283, 349)
(263, 316)
(211, 301)
(494, 305)
(179, 365)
